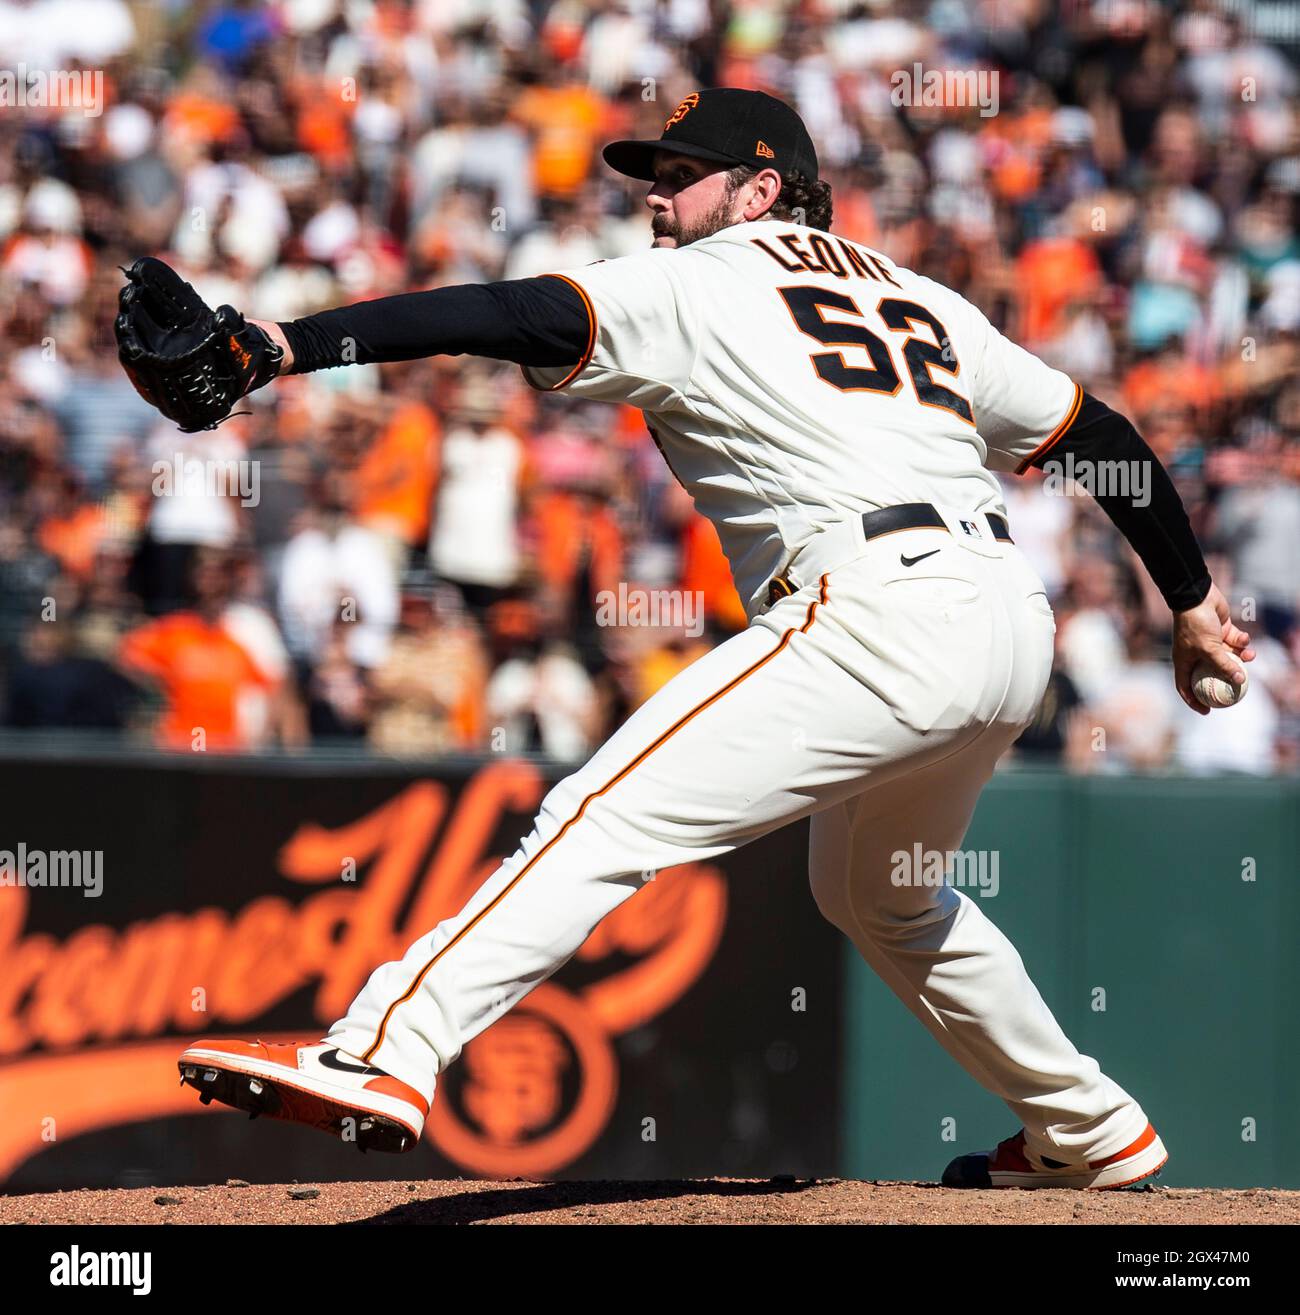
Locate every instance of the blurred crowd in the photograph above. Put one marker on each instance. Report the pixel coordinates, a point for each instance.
(410, 557)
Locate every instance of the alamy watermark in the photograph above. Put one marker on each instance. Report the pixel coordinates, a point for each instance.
(946, 87)
(679, 609)
(976, 869)
(190, 477)
(1106, 479)
(72, 89)
(39, 868)
(76, 1268)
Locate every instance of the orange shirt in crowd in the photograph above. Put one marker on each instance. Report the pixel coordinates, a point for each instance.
(74, 539)
(705, 570)
(568, 527)
(1177, 382)
(566, 123)
(855, 216)
(629, 429)
(201, 670)
(1050, 274)
(1014, 147)
(323, 130)
(199, 118)
(395, 479)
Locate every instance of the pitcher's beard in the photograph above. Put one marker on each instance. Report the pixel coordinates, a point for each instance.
(705, 226)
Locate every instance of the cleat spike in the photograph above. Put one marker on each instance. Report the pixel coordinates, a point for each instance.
(255, 1086)
(209, 1075)
(205, 1098)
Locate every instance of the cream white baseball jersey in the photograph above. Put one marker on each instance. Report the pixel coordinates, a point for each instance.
(793, 378)
(795, 381)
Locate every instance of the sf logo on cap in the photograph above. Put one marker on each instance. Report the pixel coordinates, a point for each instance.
(683, 109)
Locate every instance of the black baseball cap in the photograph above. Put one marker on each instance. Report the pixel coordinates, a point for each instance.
(727, 125)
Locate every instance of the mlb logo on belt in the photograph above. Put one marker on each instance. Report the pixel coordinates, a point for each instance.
(971, 528)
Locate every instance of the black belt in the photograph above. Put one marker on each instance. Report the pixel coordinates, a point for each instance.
(904, 516)
(922, 516)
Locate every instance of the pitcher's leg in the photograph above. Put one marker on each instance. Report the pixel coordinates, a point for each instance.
(938, 952)
(757, 733)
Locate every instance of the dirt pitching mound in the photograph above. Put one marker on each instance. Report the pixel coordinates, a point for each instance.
(704, 1201)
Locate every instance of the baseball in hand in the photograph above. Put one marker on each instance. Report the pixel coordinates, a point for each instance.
(1215, 692)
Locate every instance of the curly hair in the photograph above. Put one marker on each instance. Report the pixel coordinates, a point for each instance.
(803, 200)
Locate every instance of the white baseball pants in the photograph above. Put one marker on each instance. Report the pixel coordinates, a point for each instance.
(878, 698)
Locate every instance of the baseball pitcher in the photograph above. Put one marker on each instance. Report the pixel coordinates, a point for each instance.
(838, 419)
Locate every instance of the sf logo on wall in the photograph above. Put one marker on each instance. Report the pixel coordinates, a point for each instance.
(90, 1024)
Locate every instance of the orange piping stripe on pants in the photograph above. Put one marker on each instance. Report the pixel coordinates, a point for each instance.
(582, 808)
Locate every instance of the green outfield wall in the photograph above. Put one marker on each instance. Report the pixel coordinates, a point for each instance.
(1160, 919)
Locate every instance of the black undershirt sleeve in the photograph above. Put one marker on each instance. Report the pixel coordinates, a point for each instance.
(1159, 531)
(539, 321)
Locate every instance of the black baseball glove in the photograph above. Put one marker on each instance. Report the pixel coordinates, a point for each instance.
(189, 361)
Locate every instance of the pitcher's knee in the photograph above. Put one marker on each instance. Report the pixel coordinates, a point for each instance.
(899, 915)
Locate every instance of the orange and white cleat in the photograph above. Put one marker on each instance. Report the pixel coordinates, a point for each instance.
(1014, 1165)
(308, 1082)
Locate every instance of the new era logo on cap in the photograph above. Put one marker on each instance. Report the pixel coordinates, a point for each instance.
(765, 151)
